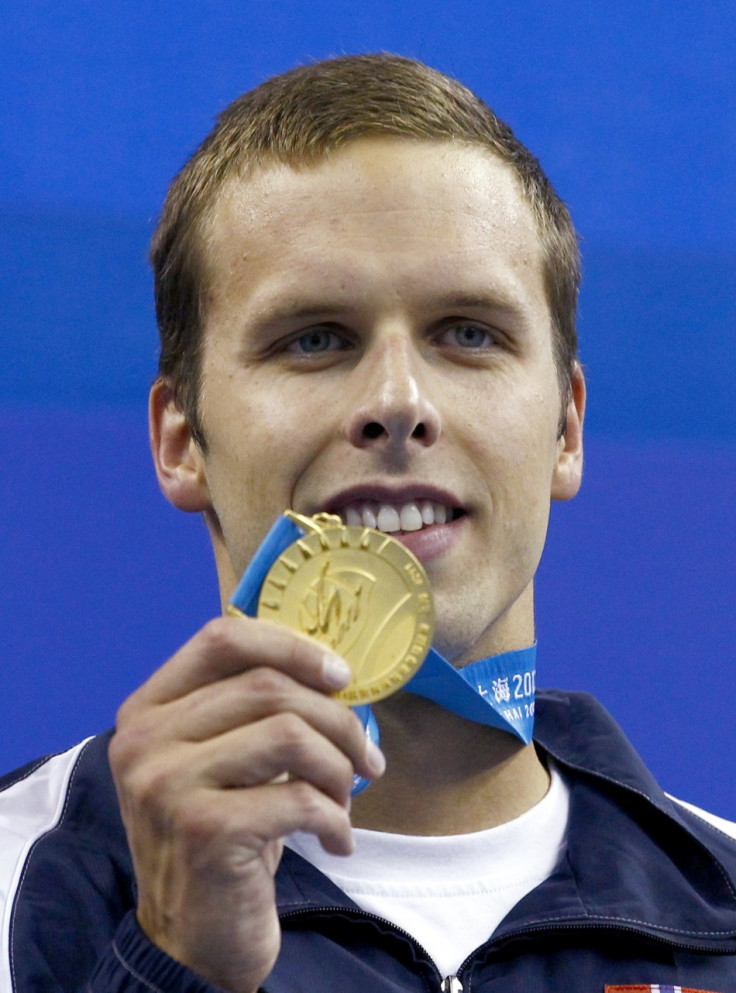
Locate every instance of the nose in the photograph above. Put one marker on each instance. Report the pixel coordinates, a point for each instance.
(392, 408)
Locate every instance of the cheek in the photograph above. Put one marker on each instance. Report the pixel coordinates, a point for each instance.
(515, 442)
(516, 453)
(261, 442)
(250, 430)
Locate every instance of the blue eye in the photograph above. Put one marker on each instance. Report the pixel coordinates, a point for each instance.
(314, 342)
(470, 337)
(467, 336)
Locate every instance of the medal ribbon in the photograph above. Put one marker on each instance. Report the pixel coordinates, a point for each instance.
(497, 691)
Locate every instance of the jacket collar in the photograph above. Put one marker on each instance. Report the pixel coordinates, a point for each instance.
(635, 859)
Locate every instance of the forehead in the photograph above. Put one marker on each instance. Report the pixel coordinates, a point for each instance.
(437, 210)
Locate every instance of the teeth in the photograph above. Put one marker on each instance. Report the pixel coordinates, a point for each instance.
(427, 512)
(388, 519)
(352, 517)
(369, 517)
(412, 516)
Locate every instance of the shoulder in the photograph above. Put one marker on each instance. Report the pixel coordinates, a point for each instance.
(40, 796)
(32, 802)
(54, 805)
(65, 868)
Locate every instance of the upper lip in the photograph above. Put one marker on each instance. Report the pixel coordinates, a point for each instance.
(382, 493)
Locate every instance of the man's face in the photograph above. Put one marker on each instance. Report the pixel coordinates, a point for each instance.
(378, 345)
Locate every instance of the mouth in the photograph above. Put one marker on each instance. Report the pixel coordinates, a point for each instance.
(398, 517)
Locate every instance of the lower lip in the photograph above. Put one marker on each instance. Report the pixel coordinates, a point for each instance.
(431, 542)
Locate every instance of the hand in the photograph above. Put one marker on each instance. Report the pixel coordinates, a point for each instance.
(234, 743)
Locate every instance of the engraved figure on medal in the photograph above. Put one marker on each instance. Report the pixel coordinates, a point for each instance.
(362, 593)
(336, 606)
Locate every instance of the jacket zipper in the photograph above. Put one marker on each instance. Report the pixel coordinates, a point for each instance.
(453, 984)
(445, 985)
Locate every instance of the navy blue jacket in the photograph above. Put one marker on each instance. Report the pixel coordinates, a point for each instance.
(645, 893)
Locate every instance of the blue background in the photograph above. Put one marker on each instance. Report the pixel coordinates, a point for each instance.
(631, 108)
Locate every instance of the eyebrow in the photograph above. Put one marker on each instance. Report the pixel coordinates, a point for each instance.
(476, 301)
(298, 310)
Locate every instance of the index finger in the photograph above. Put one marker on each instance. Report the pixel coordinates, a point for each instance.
(227, 646)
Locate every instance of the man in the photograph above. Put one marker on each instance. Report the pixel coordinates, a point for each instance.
(366, 293)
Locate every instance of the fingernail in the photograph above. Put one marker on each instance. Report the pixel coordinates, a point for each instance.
(375, 758)
(336, 671)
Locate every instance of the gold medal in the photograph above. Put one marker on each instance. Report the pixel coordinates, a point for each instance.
(362, 593)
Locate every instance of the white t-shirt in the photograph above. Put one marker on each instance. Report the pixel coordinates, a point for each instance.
(450, 893)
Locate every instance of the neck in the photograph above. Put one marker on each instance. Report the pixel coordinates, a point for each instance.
(446, 775)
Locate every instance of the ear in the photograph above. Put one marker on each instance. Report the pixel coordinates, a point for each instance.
(568, 471)
(177, 457)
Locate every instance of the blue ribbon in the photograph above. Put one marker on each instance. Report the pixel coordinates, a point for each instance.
(497, 691)
(283, 533)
